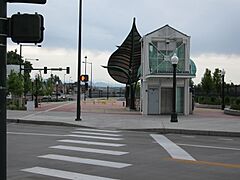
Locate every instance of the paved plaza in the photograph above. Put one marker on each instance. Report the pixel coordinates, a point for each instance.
(102, 113)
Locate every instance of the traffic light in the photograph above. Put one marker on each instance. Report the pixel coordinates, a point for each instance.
(26, 28)
(45, 70)
(68, 70)
(84, 78)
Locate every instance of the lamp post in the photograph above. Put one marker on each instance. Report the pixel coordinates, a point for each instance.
(64, 86)
(85, 92)
(223, 101)
(174, 61)
(24, 77)
(57, 91)
(21, 45)
(90, 90)
(36, 93)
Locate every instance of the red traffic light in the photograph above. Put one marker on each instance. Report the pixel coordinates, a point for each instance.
(84, 78)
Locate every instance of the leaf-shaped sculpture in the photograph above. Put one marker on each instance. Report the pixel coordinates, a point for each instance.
(124, 63)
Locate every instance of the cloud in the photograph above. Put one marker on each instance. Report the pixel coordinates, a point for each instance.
(221, 61)
(211, 24)
(62, 58)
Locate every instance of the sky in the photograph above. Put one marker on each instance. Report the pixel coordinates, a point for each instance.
(212, 24)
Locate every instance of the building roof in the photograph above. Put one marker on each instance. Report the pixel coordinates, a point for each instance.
(166, 27)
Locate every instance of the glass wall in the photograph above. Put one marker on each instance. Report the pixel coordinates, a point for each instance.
(160, 53)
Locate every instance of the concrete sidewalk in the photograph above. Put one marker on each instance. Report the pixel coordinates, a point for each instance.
(202, 122)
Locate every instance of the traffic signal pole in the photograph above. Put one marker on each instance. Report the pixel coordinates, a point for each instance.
(3, 62)
(79, 63)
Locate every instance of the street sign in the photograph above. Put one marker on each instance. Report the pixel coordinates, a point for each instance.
(28, 1)
(26, 28)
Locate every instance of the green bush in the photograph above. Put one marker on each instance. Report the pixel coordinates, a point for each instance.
(12, 107)
(209, 100)
(235, 104)
(235, 107)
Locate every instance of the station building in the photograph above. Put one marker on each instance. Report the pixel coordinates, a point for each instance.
(157, 48)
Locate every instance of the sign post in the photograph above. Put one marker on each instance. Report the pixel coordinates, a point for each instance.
(4, 33)
(3, 60)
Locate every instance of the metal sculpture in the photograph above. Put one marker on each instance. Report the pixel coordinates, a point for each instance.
(124, 63)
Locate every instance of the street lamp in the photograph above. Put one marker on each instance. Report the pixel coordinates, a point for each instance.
(85, 92)
(223, 101)
(90, 90)
(24, 77)
(56, 90)
(174, 61)
(21, 45)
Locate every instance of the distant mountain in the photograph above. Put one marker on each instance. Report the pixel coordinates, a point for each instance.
(105, 84)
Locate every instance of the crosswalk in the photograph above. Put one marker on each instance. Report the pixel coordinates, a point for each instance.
(83, 142)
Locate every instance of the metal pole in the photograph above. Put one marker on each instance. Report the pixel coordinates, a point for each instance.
(85, 65)
(79, 63)
(3, 48)
(91, 83)
(3, 62)
(223, 95)
(85, 92)
(174, 114)
(36, 95)
(32, 89)
(107, 92)
(20, 60)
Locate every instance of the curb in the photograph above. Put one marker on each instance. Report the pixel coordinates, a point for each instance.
(189, 132)
(49, 123)
(156, 130)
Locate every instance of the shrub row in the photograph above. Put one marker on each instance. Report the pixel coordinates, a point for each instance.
(232, 101)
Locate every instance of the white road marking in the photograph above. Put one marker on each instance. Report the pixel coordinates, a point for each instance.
(175, 151)
(210, 147)
(92, 143)
(65, 104)
(98, 134)
(40, 112)
(185, 136)
(86, 161)
(225, 139)
(95, 137)
(63, 174)
(90, 150)
(35, 134)
(97, 130)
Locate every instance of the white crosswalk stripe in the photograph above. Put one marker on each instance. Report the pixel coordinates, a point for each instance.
(90, 150)
(97, 130)
(79, 135)
(86, 161)
(94, 133)
(91, 143)
(63, 174)
(95, 137)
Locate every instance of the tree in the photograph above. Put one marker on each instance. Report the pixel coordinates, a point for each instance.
(49, 86)
(217, 80)
(16, 59)
(207, 82)
(15, 87)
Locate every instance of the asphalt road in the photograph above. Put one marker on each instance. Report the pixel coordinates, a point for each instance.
(38, 152)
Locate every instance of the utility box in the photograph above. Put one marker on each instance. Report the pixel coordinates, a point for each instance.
(30, 106)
